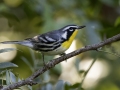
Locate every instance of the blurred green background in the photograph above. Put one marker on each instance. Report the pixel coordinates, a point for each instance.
(20, 19)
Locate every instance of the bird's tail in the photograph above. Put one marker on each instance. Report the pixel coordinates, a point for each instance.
(24, 43)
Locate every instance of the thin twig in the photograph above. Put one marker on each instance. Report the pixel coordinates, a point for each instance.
(85, 74)
(52, 63)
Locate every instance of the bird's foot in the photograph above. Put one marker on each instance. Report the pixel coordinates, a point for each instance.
(63, 54)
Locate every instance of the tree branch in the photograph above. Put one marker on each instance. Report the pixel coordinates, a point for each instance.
(52, 63)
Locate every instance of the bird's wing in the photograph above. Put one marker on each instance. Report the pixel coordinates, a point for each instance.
(50, 40)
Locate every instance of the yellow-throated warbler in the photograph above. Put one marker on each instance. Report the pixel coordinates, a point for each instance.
(51, 43)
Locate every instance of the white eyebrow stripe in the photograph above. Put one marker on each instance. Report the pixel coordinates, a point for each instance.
(50, 39)
(68, 27)
(64, 35)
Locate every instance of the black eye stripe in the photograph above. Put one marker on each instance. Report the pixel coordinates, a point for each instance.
(69, 33)
(72, 28)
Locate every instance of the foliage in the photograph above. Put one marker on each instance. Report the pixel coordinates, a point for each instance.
(20, 19)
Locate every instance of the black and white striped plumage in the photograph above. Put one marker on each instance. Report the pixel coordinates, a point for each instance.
(51, 42)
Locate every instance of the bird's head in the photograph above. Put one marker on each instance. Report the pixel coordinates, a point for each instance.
(69, 30)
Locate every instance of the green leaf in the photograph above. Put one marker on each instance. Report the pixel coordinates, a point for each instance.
(33, 56)
(50, 87)
(7, 64)
(12, 77)
(60, 85)
(7, 77)
(81, 88)
(67, 86)
(82, 71)
(30, 87)
(7, 50)
(117, 22)
(2, 82)
(28, 63)
(73, 87)
(76, 85)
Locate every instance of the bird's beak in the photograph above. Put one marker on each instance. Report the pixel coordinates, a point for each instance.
(80, 27)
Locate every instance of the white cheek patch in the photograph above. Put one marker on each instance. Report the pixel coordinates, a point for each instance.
(64, 35)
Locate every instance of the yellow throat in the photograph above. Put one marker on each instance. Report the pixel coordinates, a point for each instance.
(67, 43)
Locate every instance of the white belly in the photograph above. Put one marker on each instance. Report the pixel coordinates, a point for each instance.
(57, 51)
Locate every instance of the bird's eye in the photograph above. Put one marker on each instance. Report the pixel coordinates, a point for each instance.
(71, 28)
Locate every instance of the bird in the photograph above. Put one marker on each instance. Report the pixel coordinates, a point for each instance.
(55, 42)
